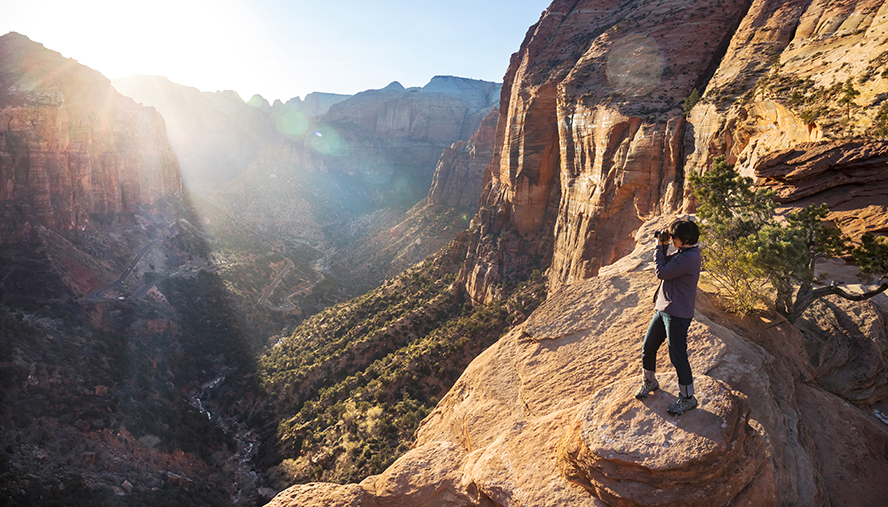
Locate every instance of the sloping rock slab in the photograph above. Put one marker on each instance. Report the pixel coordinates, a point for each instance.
(815, 167)
(323, 495)
(632, 453)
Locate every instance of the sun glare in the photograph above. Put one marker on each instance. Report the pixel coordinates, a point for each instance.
(194, 42)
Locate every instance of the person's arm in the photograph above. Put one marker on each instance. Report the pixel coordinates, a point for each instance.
(678, 265)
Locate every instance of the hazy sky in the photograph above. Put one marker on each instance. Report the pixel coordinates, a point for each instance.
(278, 48)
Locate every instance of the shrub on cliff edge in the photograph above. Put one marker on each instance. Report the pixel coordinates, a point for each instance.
(747, 249)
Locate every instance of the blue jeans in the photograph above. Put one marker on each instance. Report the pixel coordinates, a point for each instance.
(666, 327)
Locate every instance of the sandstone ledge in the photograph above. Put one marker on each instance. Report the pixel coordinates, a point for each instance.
(633, 453)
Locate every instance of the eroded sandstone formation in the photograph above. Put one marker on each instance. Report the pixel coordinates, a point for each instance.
(460, 170)
(546, 416)
(593, 137)
(70, 145)
(848, 176)
(798, 102)
(629, 453)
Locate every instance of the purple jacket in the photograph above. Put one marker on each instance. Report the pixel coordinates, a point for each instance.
(679, 273)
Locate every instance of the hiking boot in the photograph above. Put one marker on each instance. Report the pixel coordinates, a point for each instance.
(682, 405)
(647, 387)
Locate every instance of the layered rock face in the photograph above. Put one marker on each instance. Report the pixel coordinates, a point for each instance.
(592, 138)
(546, 416)
(591, 134)
(430, 225)
(798, 102)
(70, 145)
(369, 155)
(848, 176)
(460, 171)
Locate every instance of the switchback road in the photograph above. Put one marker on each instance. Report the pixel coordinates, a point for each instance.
(96, 295)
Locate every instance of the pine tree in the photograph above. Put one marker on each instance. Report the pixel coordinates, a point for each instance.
(747, 249)
(691, 101)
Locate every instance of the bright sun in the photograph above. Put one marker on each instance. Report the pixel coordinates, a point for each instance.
(188, 41)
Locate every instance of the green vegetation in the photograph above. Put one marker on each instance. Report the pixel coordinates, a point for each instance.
(731, 210)
(117, 381)
(350, 386)
(691, 101)
(880, 124)
(748, 250)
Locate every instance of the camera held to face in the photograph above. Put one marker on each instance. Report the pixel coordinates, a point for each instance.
(662, 236)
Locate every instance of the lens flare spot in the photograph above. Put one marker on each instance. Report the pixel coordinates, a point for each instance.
(291, 123)
(327, 141)
(635, 65)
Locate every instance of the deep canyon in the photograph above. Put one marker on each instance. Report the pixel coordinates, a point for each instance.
(436, 295)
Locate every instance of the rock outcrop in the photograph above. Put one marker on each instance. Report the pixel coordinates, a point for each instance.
(629, 453)
(459, 174)
(848, 176)
(70, 145)
(593, 137)
(546, 416)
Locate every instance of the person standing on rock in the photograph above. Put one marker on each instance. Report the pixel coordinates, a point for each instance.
(673, 311)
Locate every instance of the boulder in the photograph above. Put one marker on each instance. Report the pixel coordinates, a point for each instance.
(634, 454)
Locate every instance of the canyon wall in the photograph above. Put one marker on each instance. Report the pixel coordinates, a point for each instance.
(594, 136)
(361, 166)
(70, 145)
(459, 175)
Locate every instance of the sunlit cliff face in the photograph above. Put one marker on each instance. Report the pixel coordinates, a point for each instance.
(594, 136)
(70, 145)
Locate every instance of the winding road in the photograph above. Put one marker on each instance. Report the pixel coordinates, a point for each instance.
(97, 296)
(286, 306)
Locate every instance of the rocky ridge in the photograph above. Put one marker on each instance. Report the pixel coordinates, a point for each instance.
(70, 145)
(546, 415)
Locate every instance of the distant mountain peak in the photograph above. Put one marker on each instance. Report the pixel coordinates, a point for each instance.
(395, 87)
(259, 102)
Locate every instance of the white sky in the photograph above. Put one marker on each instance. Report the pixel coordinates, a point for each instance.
(277, 48)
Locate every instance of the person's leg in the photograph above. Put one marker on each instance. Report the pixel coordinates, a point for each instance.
(677, 336)
(653, 338)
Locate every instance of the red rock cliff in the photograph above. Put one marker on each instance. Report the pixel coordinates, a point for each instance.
(592, 136)
(459, 174)
(70, 145)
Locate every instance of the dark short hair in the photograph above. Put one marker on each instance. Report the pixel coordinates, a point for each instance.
(686, 231)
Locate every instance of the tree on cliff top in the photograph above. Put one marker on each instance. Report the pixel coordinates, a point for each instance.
(748, 250)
